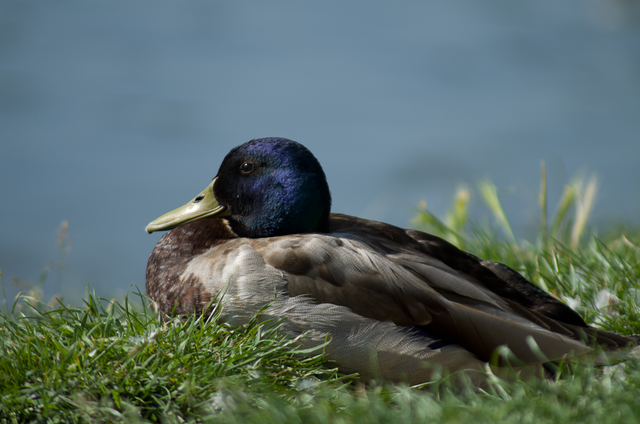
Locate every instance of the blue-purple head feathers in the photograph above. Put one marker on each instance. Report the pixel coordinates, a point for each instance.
(272, 187)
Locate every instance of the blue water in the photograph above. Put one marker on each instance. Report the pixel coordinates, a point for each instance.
(114, 112)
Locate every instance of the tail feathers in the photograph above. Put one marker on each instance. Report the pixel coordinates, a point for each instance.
(589, 335)
(532, 338)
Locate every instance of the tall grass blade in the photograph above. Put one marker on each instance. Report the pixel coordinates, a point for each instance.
(542, 198)
(584, 203)
(456, 218)
(490, 195)
(566, 201)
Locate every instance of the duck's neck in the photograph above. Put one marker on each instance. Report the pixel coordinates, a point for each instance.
(169, 259)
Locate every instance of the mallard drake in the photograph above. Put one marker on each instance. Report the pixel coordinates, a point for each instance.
(396, 303)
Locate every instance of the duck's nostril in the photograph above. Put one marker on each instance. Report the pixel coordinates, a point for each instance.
(199, 198)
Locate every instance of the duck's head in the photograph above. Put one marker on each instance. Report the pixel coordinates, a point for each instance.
(265, 187)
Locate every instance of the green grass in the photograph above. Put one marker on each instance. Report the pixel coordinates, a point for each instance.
(109, 361)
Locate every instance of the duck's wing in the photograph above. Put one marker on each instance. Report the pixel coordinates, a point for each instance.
(412, 290)
(494, 277)
(436, 261)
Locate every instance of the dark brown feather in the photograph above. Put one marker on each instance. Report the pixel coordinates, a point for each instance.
(170, 257)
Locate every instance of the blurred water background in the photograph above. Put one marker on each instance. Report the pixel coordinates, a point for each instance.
(114, 112)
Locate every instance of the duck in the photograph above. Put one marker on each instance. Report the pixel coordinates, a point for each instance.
(390, 303)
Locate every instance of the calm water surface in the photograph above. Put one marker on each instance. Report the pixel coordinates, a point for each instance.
(112, 113)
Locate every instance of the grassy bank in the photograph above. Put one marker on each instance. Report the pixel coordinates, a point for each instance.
(108, 361)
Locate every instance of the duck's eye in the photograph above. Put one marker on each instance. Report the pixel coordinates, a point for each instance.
(246, 167)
